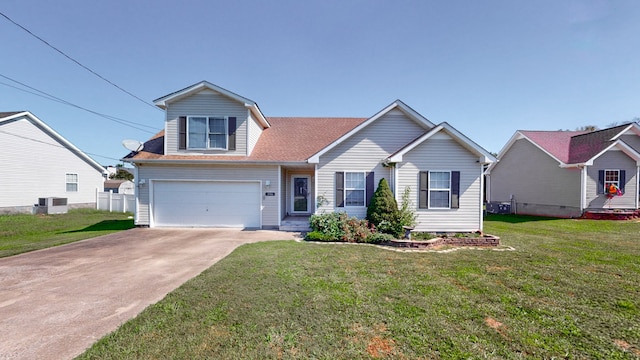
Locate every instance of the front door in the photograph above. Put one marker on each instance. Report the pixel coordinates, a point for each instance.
(300, 197)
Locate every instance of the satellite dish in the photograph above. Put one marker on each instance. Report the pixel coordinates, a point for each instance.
(133, 145)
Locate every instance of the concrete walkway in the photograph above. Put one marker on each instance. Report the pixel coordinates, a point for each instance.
(55, 303)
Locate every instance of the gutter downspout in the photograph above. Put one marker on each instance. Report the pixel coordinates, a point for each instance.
(637, 185)
(315, 188)
(136, 196)
(583, 188)
(280, 193)
(481, 200)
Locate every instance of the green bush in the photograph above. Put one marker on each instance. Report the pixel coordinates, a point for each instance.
(355, 230)
(340, 227)
(329, 224)
(317, 236)
(406, 215)
(419, 235)
(378, 237)
(383, 209)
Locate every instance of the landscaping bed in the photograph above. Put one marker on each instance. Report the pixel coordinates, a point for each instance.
(614, 214)
(436, 242)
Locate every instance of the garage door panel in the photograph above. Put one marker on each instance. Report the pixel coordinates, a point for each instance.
(204, 203)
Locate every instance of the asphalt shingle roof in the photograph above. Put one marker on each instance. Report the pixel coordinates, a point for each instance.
(574, 147)
(289, 139)
(9, 113)
(554, 142)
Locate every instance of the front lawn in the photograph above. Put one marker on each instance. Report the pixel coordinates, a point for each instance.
(569, 289)
(21, 232)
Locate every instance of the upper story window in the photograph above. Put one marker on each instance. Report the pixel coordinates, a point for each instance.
(207, 132)
(71, 182)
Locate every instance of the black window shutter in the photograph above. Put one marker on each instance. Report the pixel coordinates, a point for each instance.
(423, 186)
(370, 187)
(600, 189)
(623, 179)
(455, 189)
(231, 122)
(339, 189)
(182, 132)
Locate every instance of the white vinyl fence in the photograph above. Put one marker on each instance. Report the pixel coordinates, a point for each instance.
(115, 202)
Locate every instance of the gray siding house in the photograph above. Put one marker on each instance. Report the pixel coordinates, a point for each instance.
(567, 173)
(38, 162)
(219, 162)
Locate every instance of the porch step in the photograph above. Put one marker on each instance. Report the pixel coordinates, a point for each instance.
(289, 224)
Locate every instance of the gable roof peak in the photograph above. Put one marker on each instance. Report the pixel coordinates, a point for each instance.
(408, 111)
(35, 121)
(163, 102)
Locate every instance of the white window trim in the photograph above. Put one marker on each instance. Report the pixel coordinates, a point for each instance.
(605, 182)
(364, 189)
(438, 189)
(207, 147)
(66, 182)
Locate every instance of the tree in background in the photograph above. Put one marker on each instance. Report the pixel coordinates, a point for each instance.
(121, 174)
(589, 128)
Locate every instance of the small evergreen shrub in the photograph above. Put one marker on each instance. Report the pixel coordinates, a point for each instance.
(383, 209)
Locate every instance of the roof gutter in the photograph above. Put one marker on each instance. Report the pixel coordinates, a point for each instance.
(214, 162)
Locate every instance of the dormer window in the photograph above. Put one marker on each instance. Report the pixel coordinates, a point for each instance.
(207, 132)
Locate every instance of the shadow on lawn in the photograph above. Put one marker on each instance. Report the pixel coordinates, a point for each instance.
(514, 219)
(107, 225)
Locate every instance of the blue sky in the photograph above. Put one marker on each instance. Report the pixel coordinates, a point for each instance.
(488, 68)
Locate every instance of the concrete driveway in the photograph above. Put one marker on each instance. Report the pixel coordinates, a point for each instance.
(55, 303)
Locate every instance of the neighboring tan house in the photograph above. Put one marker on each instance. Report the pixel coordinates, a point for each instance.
(565, 173)
(119, 186)
(37, 162)
(220, 162)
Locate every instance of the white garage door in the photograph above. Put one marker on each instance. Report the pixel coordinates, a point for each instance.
(206, 203)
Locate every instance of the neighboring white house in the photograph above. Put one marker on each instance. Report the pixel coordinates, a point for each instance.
(119, 186)
(220, 162)
(565, 173)
(37, 162)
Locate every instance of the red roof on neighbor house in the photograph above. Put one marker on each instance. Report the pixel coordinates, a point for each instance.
(554, 142)
(289, 139)
(574, 147)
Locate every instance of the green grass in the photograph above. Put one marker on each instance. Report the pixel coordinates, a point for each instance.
(21, 233)
(570, 289)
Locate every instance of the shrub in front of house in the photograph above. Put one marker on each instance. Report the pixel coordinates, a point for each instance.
(384, 214)
(328, 224)
(317, 236)
(338, 227)
(379, 237)
(382, 211)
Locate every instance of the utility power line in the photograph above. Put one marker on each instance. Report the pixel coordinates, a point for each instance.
(76, 61)
(50, 97)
